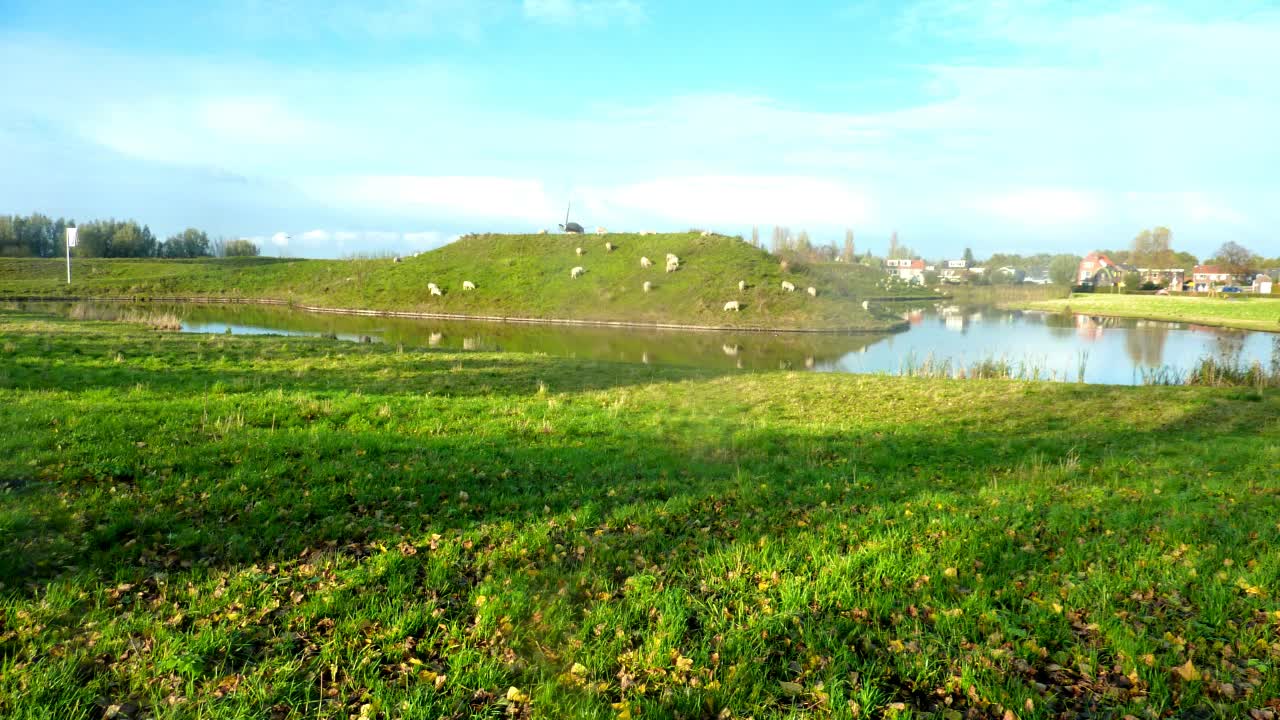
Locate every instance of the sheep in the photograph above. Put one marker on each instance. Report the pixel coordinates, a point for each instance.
(648, 232)
(577, 272)
(609, 247)
(397, 259)
(742, 286)
(673, 265)
(706, 233)
(733, 305)
(543, 231)
(813, 291)
(644, 357)
(671, 257)
(435, 339)
(580, 251)
(788, 286)
(648, 286)
(809, 362)
(435, 290)
(470, 343)
(646, 262)
(468, 285)
(866, 304)
(601, 231)
(730, 350)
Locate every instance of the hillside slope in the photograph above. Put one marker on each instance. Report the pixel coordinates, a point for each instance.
(515, 275)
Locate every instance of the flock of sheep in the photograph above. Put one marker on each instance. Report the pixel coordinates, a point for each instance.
(673, 264)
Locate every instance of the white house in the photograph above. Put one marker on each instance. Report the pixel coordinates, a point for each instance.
(1262, 284)
(1206, 277)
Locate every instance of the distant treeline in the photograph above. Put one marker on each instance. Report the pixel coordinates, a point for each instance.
(42, 236)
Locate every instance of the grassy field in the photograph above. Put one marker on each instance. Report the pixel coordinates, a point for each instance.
(515, 275)
(259, 527)
(1248, 313)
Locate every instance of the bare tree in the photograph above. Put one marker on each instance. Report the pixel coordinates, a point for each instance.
(848, 246)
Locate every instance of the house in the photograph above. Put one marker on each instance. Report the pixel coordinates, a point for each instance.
(1262, 284)
(954, 271)
(1012, 272)
(1098, 270)
(909, 270)
(1172, 278)
(1207, 277)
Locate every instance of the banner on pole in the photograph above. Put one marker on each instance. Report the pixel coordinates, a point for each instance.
(71, 237)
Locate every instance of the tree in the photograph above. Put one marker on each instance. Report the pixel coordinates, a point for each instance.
(189, 243)
(849, 250)
(968, 257)
(1132, 282)
(1235, 258)
(1062, 269)
(241, 248)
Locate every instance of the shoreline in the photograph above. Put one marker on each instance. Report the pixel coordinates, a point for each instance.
(415, 315)
(1058, 306)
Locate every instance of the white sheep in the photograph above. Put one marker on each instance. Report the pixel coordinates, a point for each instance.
(733, 305)
(813, 291)
(468, 285)
(671, 257)
(601, 231)
(646, 262)
(648, 286)
(673, 265)
(788, 286)
(580, 251)
(730, 350)
(706, 233)
(470, 343)
(543, 231)
(435, 339)
(435, 290)
(742, 286)
(577, 272)
(866, 304)
(609, 247)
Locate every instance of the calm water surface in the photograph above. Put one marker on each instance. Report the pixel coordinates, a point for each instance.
(1050, 346)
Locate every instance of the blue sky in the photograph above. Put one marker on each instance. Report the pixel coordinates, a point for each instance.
(398, 124)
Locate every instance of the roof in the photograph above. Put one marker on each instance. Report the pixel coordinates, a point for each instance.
(1210, 270)
(1262, 278)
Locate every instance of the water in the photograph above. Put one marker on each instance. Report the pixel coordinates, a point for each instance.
(1048, 346)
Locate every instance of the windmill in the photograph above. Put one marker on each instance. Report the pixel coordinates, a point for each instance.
(572, 228)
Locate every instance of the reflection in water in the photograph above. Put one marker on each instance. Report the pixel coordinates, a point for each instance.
(1052, 346)
(1145, 343)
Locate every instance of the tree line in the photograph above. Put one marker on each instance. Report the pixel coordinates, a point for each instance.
(41, 236)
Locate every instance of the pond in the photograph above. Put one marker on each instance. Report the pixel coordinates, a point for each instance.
(939, 339)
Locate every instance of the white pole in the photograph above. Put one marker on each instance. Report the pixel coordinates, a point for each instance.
(70, 243)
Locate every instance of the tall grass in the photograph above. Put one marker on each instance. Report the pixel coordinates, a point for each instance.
(160, 320)
(1215, 372)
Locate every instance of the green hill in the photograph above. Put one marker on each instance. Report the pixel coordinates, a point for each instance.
(515, 276)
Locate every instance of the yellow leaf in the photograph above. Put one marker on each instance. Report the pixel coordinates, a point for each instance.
(514, 695)
(578, 669)
(1187, 672)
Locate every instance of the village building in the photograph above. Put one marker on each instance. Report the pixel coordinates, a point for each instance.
(1207, 277)
(1098, 270)
(954, 271)
(1262, 284)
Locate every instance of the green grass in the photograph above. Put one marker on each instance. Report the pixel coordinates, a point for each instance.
(255, 527)
(1249, 313)
(515, 275)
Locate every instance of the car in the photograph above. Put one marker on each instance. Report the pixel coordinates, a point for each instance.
(1231, 289)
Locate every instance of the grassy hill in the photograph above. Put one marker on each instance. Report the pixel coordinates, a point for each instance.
(516, 275)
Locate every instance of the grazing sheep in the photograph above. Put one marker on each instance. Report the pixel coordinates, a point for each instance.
(648, 232)
(435, 339)
(577, 272)
(673, 265)
(601, 231)
(742, 286)
(542, 231)
(435, 290)
(396, 259)
(580, 251)
(609, 247)
(671, 257)
(644, 357)
(730, 350)
(788, 286)
(470, 343)
(813, 291)
(648, 286)
(706, 233)
(733, 305)
(866, 304)
(468, 285)
(646, 262)
(809, 362)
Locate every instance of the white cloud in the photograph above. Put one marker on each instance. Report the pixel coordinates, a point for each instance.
(317, 236)
(458, 197)
(280, 239)
(584, 12)
(736, 200)
(1036, 207)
